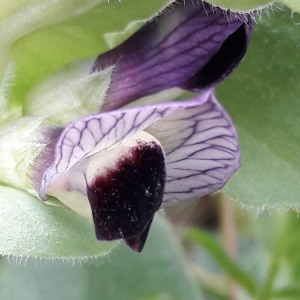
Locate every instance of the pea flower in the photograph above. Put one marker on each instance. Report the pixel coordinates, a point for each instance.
(118, 167)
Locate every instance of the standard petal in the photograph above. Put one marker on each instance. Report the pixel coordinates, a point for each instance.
(192, 46)
(201, 147)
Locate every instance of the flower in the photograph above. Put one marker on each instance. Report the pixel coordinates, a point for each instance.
(120, 166)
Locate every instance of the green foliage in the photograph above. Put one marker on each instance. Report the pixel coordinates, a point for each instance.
(292, 4)
(32, 228)
(20, 18)
(268, 241)
(226, 264)
(262, 97)
(157, 273)
(242, 5)
(45, 51)
(246, 5)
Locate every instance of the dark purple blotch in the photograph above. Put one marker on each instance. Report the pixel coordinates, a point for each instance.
(192, 46)
(125, 198)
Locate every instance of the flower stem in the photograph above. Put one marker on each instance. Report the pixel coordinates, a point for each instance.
(273, 270)
(229, 237)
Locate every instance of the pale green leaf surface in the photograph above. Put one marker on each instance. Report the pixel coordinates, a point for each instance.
(32, 228)
(18, 18)
(241, 5)
(263, 98)
(45, 51)
(246, 5)
(157, 273)
(292, 4)
(70, 93)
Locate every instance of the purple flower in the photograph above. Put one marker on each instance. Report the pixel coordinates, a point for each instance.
(193, 46)
(120, 167)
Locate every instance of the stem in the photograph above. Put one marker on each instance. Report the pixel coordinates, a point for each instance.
(268, 287)
(274, 267)
(229, 238)
(207, 279)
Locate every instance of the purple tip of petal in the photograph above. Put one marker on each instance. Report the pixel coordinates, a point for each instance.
(137, 243)
(125, 198)
(192, 46)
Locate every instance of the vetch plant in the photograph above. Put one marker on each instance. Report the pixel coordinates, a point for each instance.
(122, 166)
(119, 167)
(78, 137)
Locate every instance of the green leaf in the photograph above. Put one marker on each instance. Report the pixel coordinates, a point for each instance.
(45, 51)
(246, 5)
(70, 93)
(220, 257)
(20, 17)
(157, 273)
(263, 97)
(31, 228)
(241, 5)
(292, 4)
